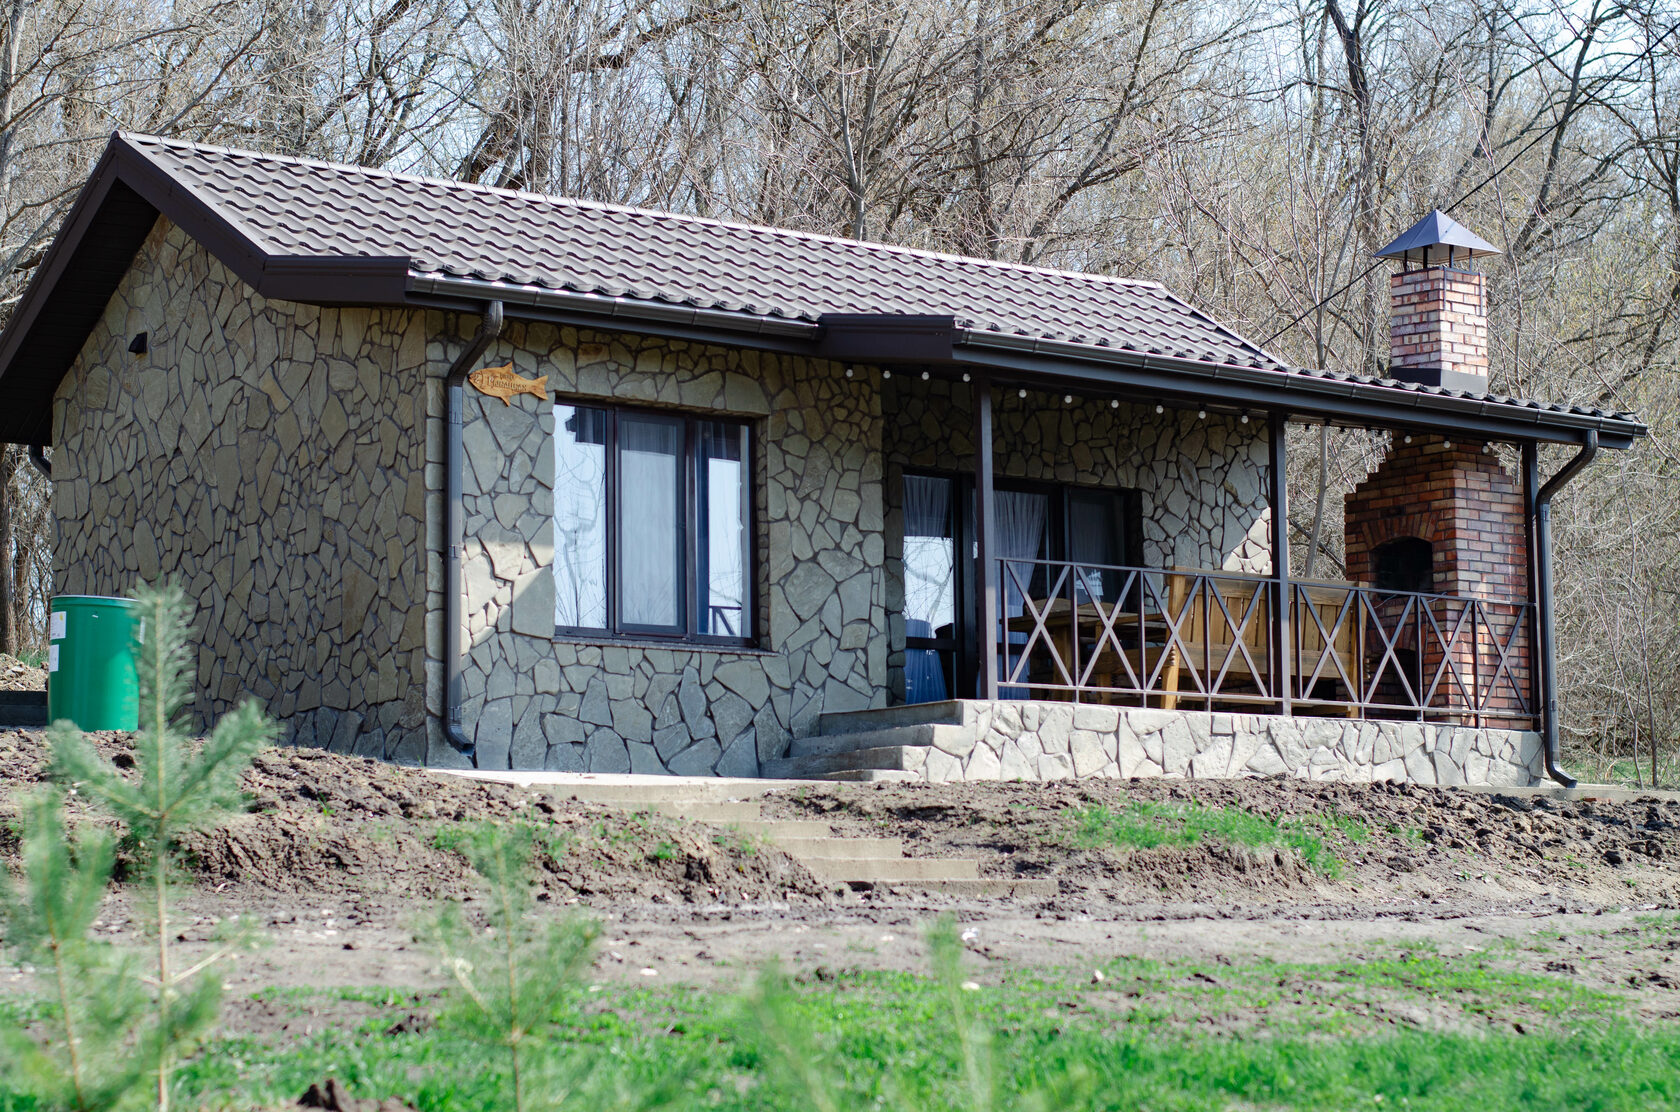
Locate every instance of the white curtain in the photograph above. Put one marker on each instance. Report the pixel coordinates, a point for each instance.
(1020, 529)
(650, 458)
(1021, 520)
(929, 582)
(929, 552)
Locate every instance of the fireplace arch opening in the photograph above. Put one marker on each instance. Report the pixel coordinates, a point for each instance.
(1404, 564)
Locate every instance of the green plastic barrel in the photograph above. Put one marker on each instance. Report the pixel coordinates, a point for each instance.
(91, 676)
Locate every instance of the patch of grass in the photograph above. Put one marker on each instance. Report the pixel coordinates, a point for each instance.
(739, 843)
(1146, 825)
(1156, 1035)
(550, 841)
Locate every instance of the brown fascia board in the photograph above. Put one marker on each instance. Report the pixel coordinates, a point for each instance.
(311, 279)
(123, 197)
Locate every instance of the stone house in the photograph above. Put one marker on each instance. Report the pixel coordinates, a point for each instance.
(464, 476)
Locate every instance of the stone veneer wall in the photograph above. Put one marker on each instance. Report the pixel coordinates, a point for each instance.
(1059, 741)
(611, 706)
(269, 455)
(1203, 480)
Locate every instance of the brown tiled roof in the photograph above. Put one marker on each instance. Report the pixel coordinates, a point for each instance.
(301, 207)
(303, 230)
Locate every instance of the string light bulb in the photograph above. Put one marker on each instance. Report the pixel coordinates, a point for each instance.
(848, 372)
(1201, 414)
(1160, 409)
(924, 376)
(1243, 418)
(1447, 445)
(1114, 403)
(1407, 439)
(1067, 399)
(885, 375)
(965, 376)
(1021, 393)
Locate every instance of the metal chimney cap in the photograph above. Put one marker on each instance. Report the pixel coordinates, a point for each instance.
(1437, 238)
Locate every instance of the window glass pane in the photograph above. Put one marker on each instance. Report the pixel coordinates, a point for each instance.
(580, 517)
(650, 457)
(929, 557)
(722, 600)
(1095, 537)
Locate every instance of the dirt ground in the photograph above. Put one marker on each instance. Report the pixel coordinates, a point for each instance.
(339, 858)
(16, 675)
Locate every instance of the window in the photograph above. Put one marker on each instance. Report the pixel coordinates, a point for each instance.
(652, 525)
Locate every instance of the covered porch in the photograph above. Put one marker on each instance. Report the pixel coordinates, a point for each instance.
(1040, 586)
(1112, 585)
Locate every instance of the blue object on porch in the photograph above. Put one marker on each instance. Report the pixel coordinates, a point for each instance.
(924, 672)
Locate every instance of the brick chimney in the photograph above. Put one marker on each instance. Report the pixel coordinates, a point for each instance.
(1438, 320)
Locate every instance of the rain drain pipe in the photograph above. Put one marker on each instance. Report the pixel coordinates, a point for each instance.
(1543, 593)
(455, 527)
(38, 456)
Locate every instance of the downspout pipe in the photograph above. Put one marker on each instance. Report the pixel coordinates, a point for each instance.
(1543, 588)
(455, 527)
(38, 456)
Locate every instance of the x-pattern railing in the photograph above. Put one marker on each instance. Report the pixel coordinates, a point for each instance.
(1166, 638)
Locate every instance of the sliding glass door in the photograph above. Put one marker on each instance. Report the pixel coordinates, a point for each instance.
(931, 578)
(1031, 523)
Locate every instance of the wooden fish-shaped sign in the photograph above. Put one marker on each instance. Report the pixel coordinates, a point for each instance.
(501, 382)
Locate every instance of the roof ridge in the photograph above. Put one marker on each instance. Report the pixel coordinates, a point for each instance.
(136, 138)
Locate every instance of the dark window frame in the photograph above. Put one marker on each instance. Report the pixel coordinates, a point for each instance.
(689, 530)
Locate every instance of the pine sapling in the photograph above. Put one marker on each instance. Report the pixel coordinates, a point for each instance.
(515, 977)
(83, 1058)
(177, 787)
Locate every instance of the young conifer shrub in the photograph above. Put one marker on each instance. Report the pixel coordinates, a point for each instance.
(83, 1056)
(519, 974)
(176, 786)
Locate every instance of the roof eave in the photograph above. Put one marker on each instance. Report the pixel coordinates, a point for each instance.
(937, 340)
(1295, 391)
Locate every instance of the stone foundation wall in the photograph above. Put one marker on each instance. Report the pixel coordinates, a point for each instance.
(269, 456)
(1059, 741)
(609, 706)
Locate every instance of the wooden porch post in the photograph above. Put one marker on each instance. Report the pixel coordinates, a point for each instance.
(985, 539)
(1277, 425)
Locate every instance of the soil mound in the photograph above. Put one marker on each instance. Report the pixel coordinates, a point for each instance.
(324, 822)
(1398, 840)
(20, 675)
(333, 824)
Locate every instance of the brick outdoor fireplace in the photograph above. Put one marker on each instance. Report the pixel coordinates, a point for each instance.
(1442, 518)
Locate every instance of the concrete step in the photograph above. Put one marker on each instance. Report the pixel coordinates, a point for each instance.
(984, 886)
(925, 734)
(890, 870)
(661, 789)
(721, 814)
(782, 830)
(869, 775)
(832, 848)
(882, 718)
(905, 758)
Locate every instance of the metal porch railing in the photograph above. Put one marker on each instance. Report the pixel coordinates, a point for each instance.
(1174, 638)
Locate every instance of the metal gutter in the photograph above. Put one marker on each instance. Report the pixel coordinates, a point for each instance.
(38, 456)
(1543, 585)
(455, 526)
(605, 308)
